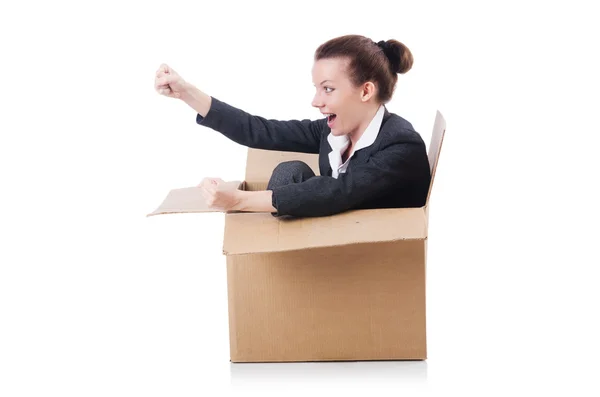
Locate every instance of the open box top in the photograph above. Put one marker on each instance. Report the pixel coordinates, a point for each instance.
(262, 232)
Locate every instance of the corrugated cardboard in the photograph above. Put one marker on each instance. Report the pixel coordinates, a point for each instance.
(344, 287)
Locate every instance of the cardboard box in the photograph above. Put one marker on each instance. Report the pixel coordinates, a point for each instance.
(344, 287)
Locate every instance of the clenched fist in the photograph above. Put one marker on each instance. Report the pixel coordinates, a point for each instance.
(220, 195)
(168, 83)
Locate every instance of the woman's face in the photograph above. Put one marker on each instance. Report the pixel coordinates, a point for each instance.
(336, 95)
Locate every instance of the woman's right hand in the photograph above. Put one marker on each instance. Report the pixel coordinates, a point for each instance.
(168, 83)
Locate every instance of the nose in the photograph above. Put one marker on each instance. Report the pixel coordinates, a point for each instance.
(317, 102)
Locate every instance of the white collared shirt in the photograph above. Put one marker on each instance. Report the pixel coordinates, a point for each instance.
(339, 144)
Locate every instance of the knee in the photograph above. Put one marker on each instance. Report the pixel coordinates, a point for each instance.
(293, 167)
(294, 171)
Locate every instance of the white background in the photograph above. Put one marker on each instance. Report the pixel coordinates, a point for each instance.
(97, 300)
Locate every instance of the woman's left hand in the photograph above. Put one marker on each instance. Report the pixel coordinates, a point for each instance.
(220, 195)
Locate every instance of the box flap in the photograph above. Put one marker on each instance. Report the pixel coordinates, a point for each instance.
(435, 146)
(188, 199)
(261, 163)
(247, 233)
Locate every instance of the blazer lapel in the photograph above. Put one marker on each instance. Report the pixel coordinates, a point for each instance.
(360, 155)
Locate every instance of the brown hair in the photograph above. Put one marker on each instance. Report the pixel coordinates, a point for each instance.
(369, 61)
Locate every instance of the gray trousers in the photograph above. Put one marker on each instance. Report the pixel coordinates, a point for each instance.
(294, 171)
(290, 172)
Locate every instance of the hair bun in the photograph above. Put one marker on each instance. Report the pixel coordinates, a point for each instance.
(393, 54)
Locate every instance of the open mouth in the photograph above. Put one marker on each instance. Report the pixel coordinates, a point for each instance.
(331, 118)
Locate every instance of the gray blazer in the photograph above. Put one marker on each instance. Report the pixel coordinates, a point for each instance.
(393, 172)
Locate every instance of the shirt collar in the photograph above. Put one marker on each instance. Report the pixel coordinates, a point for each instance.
(340, 143)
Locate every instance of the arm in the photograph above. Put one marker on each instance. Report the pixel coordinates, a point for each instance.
(260, 201)
(393, 168)
(196, 99)
(254, 131)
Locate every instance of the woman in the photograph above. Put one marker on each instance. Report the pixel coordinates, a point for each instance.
(368, 157)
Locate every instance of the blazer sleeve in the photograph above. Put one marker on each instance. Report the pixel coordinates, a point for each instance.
(392, 168)
(260, 133)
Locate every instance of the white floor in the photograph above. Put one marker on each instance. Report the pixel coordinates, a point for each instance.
(141, 310)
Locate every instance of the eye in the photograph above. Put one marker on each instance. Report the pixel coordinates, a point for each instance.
(329, 88)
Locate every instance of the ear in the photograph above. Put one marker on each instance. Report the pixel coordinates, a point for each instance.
(367, 91)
